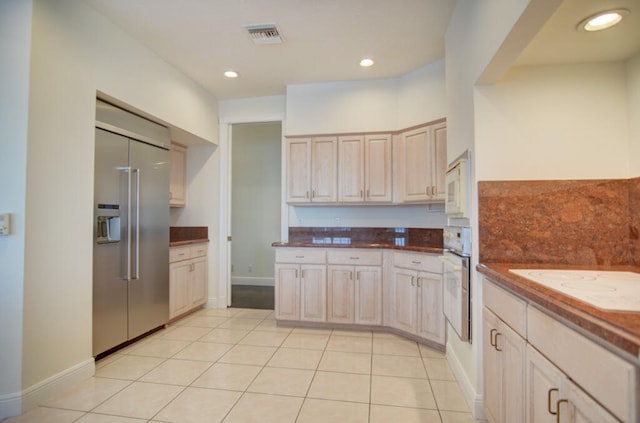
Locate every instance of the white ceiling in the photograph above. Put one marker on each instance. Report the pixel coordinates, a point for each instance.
(325, 39)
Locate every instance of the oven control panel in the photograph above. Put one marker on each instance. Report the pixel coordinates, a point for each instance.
(457, 239)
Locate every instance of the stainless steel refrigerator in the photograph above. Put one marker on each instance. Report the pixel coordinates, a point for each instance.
(131, 227)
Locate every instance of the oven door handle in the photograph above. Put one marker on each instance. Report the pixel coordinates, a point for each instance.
(451, 263)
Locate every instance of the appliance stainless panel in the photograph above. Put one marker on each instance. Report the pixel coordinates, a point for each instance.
(130, 268)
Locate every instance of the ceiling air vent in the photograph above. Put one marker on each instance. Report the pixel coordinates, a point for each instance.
(264, 34)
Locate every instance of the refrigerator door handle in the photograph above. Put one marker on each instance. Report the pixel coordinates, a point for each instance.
(128, 258)
(136, 247)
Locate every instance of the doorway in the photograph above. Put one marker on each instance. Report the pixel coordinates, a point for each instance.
(255, 212)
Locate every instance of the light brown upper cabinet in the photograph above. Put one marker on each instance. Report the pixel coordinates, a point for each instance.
(312, 170)
(364, 168)
(178, 176)
(424, 163)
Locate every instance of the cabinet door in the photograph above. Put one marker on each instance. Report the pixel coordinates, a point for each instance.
(179, 294)
(377, 166)
(313, 292)
(581, 408)
(492, 372)
(299, 170)
(198, 282)
(511, 348)
(404, 300)
(439, 161)
(368, 295)
(430, 312)
(542, 391)
(287, 291)
(324, 174)
(416, 171)
(178, 176)
(340, 293)
(351, 169)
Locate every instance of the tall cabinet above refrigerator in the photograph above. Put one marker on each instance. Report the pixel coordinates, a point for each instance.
(131, 227)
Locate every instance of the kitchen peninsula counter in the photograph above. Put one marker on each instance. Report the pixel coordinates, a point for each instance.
(617, 329)
(417, 248)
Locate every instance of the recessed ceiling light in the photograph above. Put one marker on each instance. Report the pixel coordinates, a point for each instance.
(365, 63)
(231, 74)
(602, 20)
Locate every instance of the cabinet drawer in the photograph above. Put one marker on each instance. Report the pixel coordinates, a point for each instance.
(594, 368)
(421, 262)
(355, 257)
(198, 250)
(301, 255)
(179, 253)
(509, 308)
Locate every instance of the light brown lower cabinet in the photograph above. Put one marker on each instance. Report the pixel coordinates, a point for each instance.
(188, 275)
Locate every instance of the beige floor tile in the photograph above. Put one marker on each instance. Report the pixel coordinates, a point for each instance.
(458, 417)
(261, 408)
(312, 331)
(185, 333)
(294, 358)
(353, 332)
(88, 394)
(224, 312)
(270, 325)
(234, 377)
(240, 324)
(322, 411)
(203, 351)
(265, 339)
(203, 321)
(129, 367)
(176, 372)
(449, 396)
(224, 336)
(397, 365)
(349, 344)
(386, 414)
(104, 418)
(395, 347)
(254, 314)
(248, 354)
(340, 386)
(428, 352)
(108, 360)
(197, 405)
(140, 400)
(345, 362)
(388, 335)
(306, 341)
(154, 347)
(273, 380)
(403, 392)
(48, 415)
(438, 368)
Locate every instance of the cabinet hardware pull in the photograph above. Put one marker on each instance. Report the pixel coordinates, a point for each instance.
(560, 401)
(491, 339)
(361, 194)
(551, 391)
(307, 194)
(354, 258)
(412, 282)
(418, 282)
(368, 195)
(350, 276)
(296, 273)
(415, 262)
(313, 194)
(299, 256)
(498, 334)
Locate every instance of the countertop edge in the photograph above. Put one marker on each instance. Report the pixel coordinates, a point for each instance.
(579, 314)
(414, 248)
(187, 242)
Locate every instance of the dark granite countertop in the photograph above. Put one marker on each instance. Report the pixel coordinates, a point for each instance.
(620, 329)
(186, 235)
(416, 248)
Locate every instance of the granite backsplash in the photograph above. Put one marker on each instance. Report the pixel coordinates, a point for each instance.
(188, 233)
(390, 236)
(571, 222)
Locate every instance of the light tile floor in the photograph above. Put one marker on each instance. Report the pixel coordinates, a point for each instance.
(238, 366)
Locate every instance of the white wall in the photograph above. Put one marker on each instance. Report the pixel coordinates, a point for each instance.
(633, 116)
(75, 53)
(554, 122)
(15, 41)
(421, 95)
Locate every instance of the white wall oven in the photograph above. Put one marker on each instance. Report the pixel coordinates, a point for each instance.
(457, 272)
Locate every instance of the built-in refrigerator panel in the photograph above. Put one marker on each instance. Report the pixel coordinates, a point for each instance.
(131, 228)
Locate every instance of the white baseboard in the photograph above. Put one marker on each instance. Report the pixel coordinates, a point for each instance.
(17, 403)
(474, 400)
(245, 280)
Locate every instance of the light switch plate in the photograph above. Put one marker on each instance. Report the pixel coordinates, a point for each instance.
(5, 224)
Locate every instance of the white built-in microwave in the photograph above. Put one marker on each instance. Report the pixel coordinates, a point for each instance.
(456, 189)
